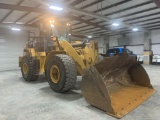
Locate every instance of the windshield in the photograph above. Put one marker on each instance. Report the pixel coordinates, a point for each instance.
(128, 51)
(56, 28)
(115, 50)
(61, 30)
(125, 50)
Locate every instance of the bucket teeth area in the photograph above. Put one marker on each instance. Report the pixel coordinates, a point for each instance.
(116, 85)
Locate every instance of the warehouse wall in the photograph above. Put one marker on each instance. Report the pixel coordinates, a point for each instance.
(155, 36)
(113, 40)
(102, 44)
(136, 38)
(11, 47)
(155, 41)
(136, 41)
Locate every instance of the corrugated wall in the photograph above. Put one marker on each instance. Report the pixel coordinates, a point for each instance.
(155, 39)
(137, 39)
(11, 47)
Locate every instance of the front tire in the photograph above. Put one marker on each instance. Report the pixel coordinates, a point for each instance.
(61, 73)
(29, 69)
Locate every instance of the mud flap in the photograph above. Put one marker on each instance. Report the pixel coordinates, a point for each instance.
(116, 85)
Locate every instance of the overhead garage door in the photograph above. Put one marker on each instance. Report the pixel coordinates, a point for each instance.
(136, 49)
(11, 47)
(156, 49)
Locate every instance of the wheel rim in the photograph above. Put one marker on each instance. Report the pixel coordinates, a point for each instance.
(25, 68)
(55, 74)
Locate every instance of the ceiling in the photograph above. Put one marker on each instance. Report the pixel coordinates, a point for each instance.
(144, 14)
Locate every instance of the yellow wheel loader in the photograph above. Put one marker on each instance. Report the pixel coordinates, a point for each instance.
(115, 85)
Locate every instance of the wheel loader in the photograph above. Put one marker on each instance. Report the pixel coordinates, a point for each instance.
(116, 85)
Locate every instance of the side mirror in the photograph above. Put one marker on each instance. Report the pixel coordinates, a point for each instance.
(131, 52)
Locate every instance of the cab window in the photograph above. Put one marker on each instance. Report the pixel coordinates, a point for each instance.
(126, 51)
(115, 50)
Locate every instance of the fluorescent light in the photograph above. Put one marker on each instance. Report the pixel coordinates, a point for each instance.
(115, 24)
(52, 25)
(68, 24)
(135, 29)
(51, 21)
(19, 23)
(69, 34)
(56, 8)
(16, 29)
(89, 36)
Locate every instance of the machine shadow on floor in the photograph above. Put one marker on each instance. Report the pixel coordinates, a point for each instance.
(40, 79)
(68, 96)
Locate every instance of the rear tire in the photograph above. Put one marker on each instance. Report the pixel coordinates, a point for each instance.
(63, 77)
(29, 69)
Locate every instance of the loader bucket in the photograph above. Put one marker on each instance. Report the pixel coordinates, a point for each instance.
(116, 85)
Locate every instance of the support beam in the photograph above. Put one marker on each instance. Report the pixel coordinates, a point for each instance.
(113, 5)
(47, 11)
(157, 18)
(138, 13)
(152, 26)
(72, 4)
(91, 4)
(11, 11)
(26, 14)
(131, 14)
(144, 16)
(155, 28)
(81, 27)
(129, 8)
(105, 8)
(98, 16)
(87, 29)
(77, 2)
(147, 48)
(34, 18)
(85, 6)
(22, 26)
(146, 3)
(147, 41)
(95, 32)
(150, 23)
(142, 11)
(157, 2)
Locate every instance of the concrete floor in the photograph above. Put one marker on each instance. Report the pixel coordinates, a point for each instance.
(20, 100)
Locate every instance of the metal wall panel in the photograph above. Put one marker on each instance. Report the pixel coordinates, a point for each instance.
(123, 41)
(136, 49)
(11, 47)
(155, 36)
(156, 49)
(155, 39)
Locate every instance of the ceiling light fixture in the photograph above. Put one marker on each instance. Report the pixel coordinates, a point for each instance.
(52, 25)
(16, 29)
(135, 29)
(68, 24)
(55, 8)
(115, 24)
(89, 36)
